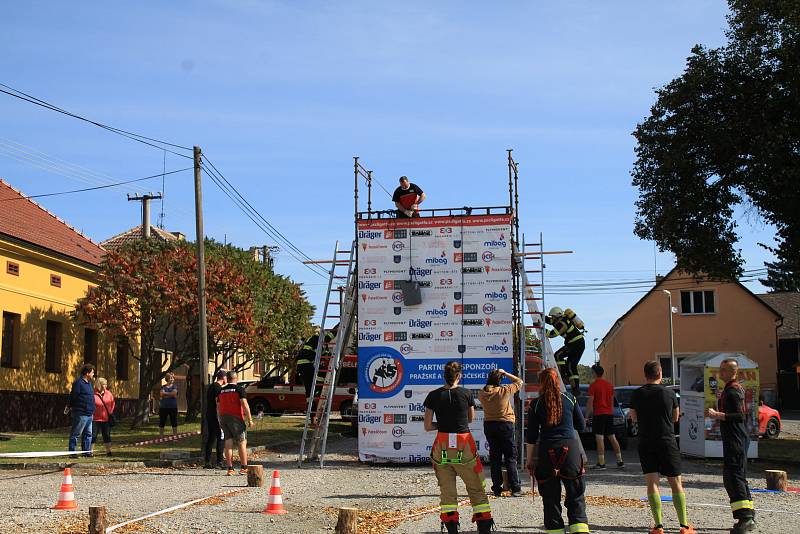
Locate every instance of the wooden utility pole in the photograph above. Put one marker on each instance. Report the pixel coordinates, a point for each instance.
(201, 292)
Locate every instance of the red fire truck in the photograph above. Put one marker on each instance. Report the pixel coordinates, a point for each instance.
(275, 395)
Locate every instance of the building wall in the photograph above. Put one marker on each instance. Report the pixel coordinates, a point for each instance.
(740, 324)
(36, 301)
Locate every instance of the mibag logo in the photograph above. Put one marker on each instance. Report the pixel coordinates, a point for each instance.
(438, 312)
(419, 323)
(496, 243)
(497, 349)
(370, 286)
(441, 260)
(365, 336)
(497, 295)
(422, 273)
(367, 234)
(397, 246)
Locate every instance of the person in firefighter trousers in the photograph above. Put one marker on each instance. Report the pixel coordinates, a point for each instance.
(554, 456)
(454, 451)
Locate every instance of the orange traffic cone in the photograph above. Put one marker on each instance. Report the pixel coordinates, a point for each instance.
(275, 502)
(66, 497)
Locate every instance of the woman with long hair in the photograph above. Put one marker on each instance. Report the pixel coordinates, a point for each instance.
(554, 454)
(454, 451)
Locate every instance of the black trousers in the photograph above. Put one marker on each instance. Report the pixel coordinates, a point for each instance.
(570, 474)
(214, 438)
(305, 372)
(570, 354)
(734, 477)
(502, 451)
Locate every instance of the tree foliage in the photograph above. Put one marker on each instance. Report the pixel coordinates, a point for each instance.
(723, 134)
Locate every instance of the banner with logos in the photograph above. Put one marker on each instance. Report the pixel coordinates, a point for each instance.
(463, 267)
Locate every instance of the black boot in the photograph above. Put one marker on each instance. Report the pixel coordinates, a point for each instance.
(485, 526)
(745, 524)
(451, 527)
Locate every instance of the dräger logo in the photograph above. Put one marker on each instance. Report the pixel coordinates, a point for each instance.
(422, 273)
(416, 407)
(367, 234)
(362, 336)
(419, 323)
(371, 286)
(369, 419)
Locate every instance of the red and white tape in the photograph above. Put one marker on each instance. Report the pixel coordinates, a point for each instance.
(160, 440)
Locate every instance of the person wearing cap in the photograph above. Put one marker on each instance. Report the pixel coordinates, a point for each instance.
(407, 198)
(102, 419)
(214, 436)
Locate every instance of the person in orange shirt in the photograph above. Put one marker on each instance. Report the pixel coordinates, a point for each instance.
(600, 407)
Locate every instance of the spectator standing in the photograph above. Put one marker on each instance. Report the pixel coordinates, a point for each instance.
(212, 420)
(233, 410)
(104, 405)
(81, 404)
(600, 407)
(498, 427)
(655, 408)
(168, 405)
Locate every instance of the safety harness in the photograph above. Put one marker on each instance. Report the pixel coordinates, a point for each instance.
(557, 462)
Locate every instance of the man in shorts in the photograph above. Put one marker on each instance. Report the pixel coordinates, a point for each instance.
(656, 410)
(600, 407)
(233, 409)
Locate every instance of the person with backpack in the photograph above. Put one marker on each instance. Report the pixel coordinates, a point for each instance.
(568, 325)
(103, 419)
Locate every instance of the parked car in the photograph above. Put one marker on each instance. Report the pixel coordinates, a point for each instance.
(769, 421)
(620, 430)
(623, 395)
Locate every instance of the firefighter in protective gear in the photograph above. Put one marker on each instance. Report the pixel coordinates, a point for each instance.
(732, 413)
(567, 325)
(455, 453)
(554, 455)
(304, 361)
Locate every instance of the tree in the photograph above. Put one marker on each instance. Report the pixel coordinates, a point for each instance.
(727, 133)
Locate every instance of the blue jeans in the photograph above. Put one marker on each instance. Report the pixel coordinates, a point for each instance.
(81, 428)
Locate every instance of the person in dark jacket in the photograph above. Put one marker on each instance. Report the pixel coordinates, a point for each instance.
(554, 455)
(732, 414)
(214, 436)
(81, 405)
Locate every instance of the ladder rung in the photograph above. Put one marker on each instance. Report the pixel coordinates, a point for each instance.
(534, 298)
(343, 251)
(533, 244)
(538, 271)
(338, 277)
(534, 285)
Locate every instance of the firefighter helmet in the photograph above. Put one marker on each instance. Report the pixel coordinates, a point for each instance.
(555, 311)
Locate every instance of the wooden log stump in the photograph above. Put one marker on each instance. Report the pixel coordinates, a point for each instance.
(97, 520)
(776, 480)
(255, 476)
(348, 521)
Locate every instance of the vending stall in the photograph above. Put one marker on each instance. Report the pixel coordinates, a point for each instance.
(700, 390)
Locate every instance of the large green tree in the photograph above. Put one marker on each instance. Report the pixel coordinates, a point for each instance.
(724, 134)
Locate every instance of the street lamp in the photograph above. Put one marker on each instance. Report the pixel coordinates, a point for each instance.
(595, 350)
(672, 341)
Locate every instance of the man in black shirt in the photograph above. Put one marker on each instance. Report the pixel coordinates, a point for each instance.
(407, 198)
(732, 414)
(655, 408)
(214, 436)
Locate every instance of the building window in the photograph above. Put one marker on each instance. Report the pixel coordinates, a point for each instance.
(12, 268)
(122, 349)
(90, 346)
(666, 367)
(55, 280)
(53, 347)
(697, 302)
(10, 344)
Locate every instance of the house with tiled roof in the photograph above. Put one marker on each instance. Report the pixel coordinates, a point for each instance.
(134, 234)
(788, 305)
(46, 266)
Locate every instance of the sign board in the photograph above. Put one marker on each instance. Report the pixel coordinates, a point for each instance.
(463, 267)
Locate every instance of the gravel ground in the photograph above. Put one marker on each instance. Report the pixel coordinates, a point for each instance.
(309, 493)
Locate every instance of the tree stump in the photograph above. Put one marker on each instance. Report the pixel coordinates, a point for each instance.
(348, 521)
(97, 520)
(255, 476)
(776, 480)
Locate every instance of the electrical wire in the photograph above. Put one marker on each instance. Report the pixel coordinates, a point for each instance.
(150, 141)
(159, 175)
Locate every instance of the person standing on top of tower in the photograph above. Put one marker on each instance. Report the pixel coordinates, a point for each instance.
(407, 197)
(570, 327)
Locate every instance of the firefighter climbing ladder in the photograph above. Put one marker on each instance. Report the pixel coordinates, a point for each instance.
(340, 308)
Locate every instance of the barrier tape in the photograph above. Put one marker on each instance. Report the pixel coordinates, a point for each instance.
(159, 440)
(41, 454)
(173, 508)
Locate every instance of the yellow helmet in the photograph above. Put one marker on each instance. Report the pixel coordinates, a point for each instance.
(555, 311)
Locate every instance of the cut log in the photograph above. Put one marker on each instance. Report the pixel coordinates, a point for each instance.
(255, 476)
(97, 520)
(776, 480)
(348, 521)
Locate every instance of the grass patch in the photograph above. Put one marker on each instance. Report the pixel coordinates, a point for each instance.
(269, 432)
(779, 450)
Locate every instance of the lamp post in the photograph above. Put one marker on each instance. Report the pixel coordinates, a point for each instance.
(595, 350)
(672, 341)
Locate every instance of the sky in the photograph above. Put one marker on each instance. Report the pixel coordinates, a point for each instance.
(280, 95)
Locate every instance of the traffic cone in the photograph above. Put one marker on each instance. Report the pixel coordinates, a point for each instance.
(66, 497)
(275, 502)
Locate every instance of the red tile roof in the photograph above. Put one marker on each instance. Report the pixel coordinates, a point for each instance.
(25, 220)
(135, 234)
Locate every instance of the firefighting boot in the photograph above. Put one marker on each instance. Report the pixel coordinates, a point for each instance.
(449, 522)
(485, 526)
(745, 524)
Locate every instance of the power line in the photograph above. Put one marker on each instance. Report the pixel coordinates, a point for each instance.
(159, 175)
(16, 93)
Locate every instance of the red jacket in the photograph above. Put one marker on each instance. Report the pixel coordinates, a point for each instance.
(100, 413)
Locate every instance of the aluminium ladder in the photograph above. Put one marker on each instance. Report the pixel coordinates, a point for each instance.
(327, 363)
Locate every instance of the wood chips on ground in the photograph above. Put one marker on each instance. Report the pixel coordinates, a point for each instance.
(380, 522)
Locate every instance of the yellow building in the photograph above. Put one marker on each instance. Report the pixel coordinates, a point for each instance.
(45, 267)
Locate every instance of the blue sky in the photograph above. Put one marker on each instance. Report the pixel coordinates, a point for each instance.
(281, 95)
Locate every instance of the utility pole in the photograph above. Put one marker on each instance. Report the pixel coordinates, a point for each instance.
(145, 200)
(672, 341)
(201, 292)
